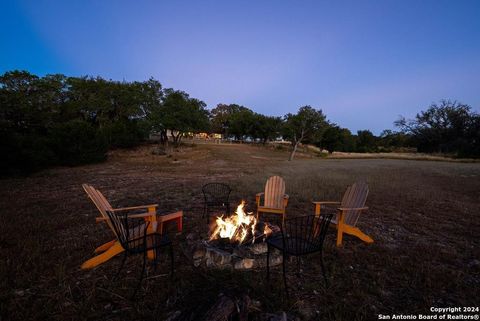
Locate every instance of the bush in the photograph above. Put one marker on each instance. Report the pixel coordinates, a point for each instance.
(124, 134)
(24, 154)
(77, 142)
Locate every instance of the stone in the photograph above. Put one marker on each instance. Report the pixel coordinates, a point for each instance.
(244, 264)
(259, 248)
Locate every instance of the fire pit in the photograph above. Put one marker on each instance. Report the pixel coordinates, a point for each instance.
(235, 242)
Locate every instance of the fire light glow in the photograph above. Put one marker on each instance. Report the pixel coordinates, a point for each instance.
(236, 227)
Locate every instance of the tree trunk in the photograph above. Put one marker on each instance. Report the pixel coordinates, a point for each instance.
(292, 154)
(164, 137)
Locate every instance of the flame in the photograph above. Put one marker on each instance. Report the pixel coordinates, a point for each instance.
(235, 227)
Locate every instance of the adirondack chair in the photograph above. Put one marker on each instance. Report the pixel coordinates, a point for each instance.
(274, 198)
(351, 206)
(154, 223)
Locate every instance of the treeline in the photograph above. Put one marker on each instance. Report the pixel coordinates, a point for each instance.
(60, 120)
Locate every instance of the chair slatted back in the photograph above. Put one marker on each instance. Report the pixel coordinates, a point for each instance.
(355, 196)
(305, 234)
(216, 193)
(100, 202)
(119, 225)
(274, 192)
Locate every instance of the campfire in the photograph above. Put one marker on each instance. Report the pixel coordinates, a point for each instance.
(240, 227)
(235, 242)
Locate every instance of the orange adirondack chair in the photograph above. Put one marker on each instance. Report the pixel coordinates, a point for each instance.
(112, 248)
(351, 206)
(274, 198)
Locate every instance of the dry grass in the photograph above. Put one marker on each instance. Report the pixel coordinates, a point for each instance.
(423, 216)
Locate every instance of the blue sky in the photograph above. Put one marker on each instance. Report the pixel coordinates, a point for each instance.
(362, 62)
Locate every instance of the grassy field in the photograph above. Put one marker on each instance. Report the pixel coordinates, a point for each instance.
(424, 217)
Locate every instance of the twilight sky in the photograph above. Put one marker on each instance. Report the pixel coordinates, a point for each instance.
(362, 62)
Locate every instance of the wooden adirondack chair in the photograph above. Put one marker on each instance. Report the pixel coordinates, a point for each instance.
(274, 198)
(352, 205)
(112, 248)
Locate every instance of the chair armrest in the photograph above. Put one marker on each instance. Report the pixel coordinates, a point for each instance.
(147, 214)
(318, 205)
(141, 215)
(285, 200)
(326, 203)
(135, 207)
(257, 198)
(352, 208)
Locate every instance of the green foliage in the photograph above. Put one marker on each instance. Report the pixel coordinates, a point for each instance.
(241, 123)
(307, 125)
(449, 127)
(69, 121)
(77, 142)
(265, 128)
(366, 142)
(337, 139)
(124, 134)
(182, 114)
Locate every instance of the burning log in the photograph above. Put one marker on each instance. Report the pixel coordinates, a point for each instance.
(240, 227)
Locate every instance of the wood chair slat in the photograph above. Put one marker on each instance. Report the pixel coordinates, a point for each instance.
(113, 248)
(275, 199)
(355, 197)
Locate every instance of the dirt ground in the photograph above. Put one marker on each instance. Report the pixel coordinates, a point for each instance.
(423, 216)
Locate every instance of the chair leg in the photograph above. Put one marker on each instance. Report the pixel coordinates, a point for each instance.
(155, 258)
(141, 275)
(121, 265)
(323, 270)
(268, 262)
(207, 214)
(284, 273)
(171, 260)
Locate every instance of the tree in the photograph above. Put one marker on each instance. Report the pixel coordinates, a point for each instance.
(366, 141)
(391, 140)
(338, 139)
(221, 118)
(182, 114)
(265, 128)
(55, 119)
(449, 127)
(241, 123)
(306, 125)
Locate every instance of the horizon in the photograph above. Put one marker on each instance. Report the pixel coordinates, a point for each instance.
(363, 64)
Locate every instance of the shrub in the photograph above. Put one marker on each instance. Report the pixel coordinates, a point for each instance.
(77, 142)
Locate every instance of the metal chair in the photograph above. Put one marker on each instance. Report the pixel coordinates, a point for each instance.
(300, 236)
(216, 195)
(135, 237)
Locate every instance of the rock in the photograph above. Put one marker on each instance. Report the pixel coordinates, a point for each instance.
(260, 248)
(199, 253)
(244, 264)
